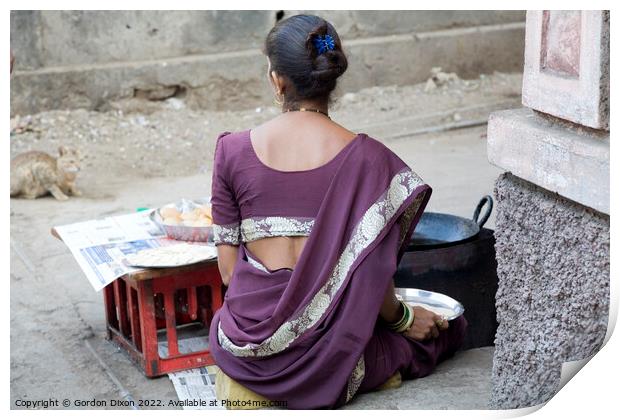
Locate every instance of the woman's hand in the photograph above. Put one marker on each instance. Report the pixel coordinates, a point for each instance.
(426, 324)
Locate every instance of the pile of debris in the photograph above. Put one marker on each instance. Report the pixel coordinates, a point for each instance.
(444, 81)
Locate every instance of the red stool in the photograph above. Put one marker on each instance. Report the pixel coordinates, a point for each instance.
(138, 304)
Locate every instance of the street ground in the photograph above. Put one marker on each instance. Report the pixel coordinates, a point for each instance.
(148, 154)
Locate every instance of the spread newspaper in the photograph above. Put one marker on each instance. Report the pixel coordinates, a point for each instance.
(103, 248)
(194, 387)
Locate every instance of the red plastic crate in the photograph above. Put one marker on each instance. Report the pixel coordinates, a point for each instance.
(139, 304)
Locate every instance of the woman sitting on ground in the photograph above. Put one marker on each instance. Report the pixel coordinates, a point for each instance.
(311, 223)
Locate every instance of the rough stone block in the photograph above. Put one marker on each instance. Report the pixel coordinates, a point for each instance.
(553, 296)
(558, 156)
(566, 70)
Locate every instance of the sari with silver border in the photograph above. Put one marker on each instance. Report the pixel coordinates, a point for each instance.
(299, 335)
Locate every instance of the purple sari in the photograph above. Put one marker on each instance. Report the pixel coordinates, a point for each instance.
(301, 335)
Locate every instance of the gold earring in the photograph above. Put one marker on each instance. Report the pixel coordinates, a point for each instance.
(277, 99)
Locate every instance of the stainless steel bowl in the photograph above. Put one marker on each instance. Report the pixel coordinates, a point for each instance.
(180, 232)
(436, 302)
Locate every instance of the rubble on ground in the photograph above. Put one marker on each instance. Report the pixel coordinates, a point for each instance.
(167, 138)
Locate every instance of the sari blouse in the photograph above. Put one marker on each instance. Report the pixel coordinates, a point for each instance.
(252, 201)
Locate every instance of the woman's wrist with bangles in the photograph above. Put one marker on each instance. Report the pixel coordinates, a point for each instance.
(395, 313)
(405, 322)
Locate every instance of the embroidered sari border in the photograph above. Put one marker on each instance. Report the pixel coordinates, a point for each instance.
(368, 228)
(356, 378)
(227, 234)
(264, 227)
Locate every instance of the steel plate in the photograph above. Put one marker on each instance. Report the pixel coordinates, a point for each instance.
(436, 302)
(170, 256)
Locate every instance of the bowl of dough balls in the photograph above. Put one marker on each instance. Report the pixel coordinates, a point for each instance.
(186, 220)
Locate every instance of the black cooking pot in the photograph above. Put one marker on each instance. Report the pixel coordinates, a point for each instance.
(438, 230)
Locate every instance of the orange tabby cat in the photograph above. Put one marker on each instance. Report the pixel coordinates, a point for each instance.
(34, 174)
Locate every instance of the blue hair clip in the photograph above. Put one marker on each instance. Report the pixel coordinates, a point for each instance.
(324, 43)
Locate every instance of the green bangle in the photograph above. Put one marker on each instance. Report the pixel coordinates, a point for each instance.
(396, 324)
(407, 324)
(412, 319)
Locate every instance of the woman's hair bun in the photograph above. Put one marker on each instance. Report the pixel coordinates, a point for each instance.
(307, 50)
(330, 64)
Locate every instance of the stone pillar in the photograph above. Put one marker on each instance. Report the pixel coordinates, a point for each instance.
(552, 229)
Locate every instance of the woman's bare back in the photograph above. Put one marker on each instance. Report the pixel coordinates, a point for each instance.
(296, 141)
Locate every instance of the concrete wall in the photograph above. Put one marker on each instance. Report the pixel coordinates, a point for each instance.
(553, 296)
(70, 59)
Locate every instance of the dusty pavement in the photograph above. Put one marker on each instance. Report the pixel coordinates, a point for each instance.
(143, 155)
